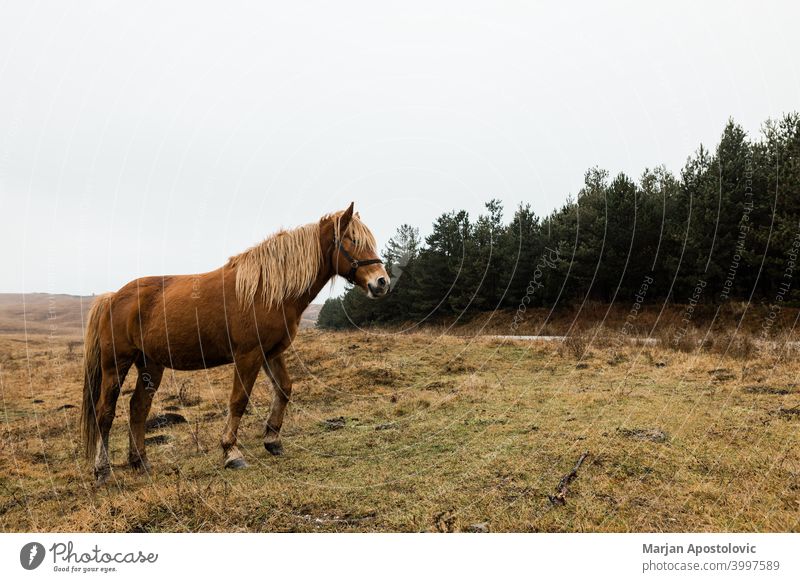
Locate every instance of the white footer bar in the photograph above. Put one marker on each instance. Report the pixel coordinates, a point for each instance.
(401, 556)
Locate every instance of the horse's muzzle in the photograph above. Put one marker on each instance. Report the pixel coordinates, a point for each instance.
(380, 287)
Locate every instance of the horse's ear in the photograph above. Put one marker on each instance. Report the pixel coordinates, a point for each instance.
(345, 218)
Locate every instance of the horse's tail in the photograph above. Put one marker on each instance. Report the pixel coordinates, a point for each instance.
(92, 375)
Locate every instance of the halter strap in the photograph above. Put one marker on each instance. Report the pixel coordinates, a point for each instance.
(355, 263)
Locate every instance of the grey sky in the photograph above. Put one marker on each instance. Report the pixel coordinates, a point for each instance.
(143, 138)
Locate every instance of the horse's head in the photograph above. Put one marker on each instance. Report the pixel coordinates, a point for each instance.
(354, 255)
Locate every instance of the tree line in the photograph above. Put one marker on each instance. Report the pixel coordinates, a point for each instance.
(727, 227)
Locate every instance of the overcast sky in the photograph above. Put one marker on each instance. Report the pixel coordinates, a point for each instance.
(141, 138)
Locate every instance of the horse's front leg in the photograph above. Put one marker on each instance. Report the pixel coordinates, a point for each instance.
(282, 383)
(244, 376)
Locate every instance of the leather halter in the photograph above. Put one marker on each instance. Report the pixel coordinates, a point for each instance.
(355, 263)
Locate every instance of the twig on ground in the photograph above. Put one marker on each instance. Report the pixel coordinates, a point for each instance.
(561, 491)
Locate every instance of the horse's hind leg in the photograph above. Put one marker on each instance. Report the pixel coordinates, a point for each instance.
(244, 376)
(282, 383)
(147, 383)
(114, 372)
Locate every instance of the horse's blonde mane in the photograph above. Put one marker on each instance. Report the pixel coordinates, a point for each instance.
(286, 263)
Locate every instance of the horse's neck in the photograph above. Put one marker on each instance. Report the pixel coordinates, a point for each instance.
(323, 277)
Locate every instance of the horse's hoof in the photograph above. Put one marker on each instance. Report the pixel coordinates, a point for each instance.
(101, 476)
(274, 448)
(140, 466)
(237, 463)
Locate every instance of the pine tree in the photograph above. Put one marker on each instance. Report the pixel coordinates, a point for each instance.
(730, 220)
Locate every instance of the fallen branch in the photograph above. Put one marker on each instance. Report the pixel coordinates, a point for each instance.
(561, 491)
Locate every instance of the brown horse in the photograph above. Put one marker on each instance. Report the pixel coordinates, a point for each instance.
(245, 313)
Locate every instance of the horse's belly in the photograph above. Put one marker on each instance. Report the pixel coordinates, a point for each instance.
(180, 354)
(194, 364)
(181, 344)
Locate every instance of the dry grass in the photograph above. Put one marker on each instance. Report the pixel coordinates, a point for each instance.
(425, 433)
(653, 320)
(574, 345)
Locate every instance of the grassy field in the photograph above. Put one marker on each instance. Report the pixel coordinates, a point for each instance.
(424, 433)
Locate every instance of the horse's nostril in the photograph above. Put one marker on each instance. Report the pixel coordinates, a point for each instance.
(381, 282)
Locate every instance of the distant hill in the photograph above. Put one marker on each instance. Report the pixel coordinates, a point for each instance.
(43, 313)
(310, 316)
